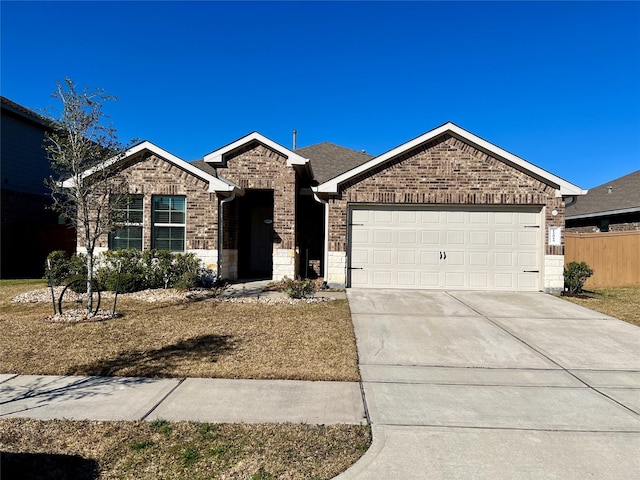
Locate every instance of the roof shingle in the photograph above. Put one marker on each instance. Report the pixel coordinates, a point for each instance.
(620, 194)
(329, 160)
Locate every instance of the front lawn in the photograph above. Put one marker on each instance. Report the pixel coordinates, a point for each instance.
(619, 302)
(204, 338)
(51, 450)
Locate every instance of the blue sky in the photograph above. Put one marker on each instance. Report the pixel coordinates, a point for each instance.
(557, 84)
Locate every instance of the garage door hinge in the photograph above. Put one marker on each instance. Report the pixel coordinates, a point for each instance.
(531, 271)
(356, 224)
(532, 226)
(355, 268)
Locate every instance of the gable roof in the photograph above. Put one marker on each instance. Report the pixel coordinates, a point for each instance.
(218, 157)
(618, 196)
(329, 160)
(564, 187)
(216, 184)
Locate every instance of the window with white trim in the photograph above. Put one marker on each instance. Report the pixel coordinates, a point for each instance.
(169, 217)
(130, 212)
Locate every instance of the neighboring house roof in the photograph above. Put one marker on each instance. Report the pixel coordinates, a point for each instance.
(218, 157)
(615, 197)
(24, 112)
(216, 184)
(329, 160)
(564, 187)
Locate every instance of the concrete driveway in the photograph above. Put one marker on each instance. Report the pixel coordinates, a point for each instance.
(495, 385)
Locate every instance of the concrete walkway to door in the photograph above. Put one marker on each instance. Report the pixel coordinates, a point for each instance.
(495, 385)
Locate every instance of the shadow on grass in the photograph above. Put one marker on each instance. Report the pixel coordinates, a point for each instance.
(47, 466)
(162, 361)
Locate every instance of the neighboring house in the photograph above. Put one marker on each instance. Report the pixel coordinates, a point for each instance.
(613, 206)
(29, 231)
(444, 210)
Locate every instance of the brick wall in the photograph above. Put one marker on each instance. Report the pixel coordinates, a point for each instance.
(260, 167)
(149, 176)
(444, 171)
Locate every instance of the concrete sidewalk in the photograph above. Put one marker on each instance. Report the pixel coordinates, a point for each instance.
(193, 399)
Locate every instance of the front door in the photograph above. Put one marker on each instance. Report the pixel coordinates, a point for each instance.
(261, 259)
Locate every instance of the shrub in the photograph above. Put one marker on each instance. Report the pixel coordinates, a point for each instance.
(151, 269)
(63, 266)
(575, 275)
(298, 288)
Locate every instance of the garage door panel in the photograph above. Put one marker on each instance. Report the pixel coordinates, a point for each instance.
(382, 236)
(478, 280)
(430, 217)
(503, 280)
(454, 258)
(429, 279)
(479, 238)
(382, 257)
(407, 236)
(430, 237)
(359, 257)
(429, 258)
(382, 278)
(405, 248)
(478, 259)
(455, 237)
(407, 257)
(503, 239)
(407, 279)
(528, 237)
(360, 236)
(382, 216)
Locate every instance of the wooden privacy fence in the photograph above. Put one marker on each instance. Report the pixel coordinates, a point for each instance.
(613, 256)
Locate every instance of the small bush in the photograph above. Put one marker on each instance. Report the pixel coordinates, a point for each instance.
(298, 288)
(575, 275)
(151, 269)
(63, 266)
(127, 283)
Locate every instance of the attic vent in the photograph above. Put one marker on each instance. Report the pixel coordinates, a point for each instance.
(609, 189)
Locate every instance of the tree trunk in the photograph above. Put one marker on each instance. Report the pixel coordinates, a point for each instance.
(89, 280)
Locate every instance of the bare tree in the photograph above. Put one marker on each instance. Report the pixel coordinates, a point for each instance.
(84, 151)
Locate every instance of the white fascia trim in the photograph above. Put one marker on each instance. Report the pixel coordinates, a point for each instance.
(215, 184)
(217, 156)
(565, 188)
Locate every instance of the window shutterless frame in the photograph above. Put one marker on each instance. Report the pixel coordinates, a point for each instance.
(169, 215)
(129, 233)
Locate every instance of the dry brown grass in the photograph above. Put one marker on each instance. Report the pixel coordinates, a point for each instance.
(192, 339)
(619, 302)
(152, 450)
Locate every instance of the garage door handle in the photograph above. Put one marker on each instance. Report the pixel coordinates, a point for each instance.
(355, 268)
(443, 255)
(531, 271)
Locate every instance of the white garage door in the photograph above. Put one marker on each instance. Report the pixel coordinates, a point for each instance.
(458, 248)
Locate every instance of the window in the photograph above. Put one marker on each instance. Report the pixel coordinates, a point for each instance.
(169, 214)
(130, 211)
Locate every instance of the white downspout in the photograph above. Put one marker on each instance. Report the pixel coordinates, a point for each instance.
(326, 236)
(220, 235)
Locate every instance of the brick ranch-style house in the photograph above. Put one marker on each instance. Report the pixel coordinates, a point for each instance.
(445, 210)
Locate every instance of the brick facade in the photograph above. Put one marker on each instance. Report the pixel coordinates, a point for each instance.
(263, 169)
(445, 171)
(149, 176)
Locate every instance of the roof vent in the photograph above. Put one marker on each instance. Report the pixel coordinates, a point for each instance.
(609, 189)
